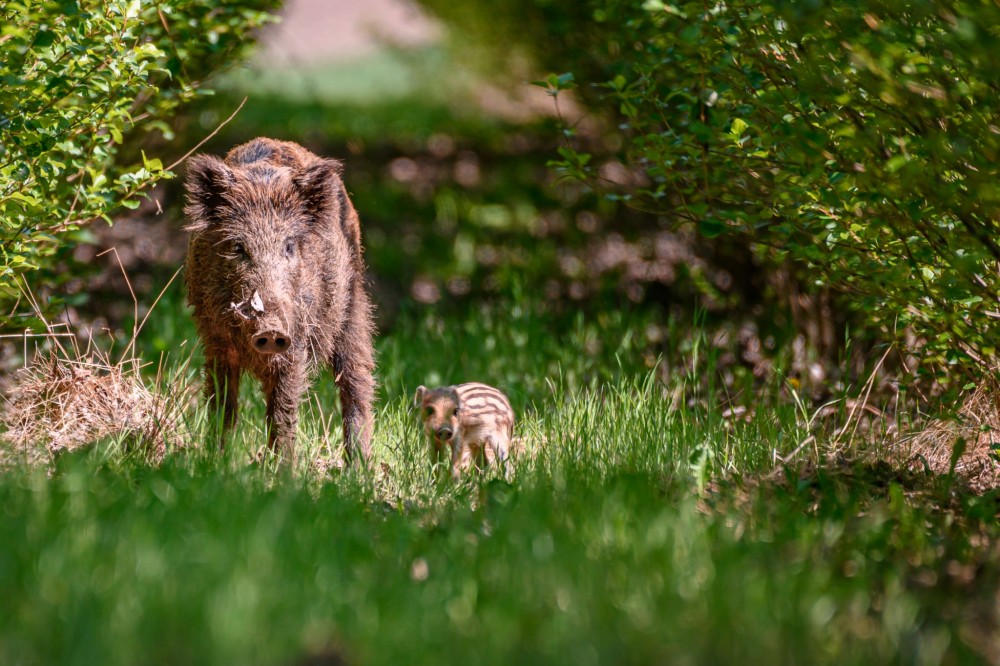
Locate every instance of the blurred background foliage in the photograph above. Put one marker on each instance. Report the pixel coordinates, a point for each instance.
(808, 183)
(850, 147)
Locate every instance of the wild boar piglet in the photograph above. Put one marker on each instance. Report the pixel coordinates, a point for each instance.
(466, 424)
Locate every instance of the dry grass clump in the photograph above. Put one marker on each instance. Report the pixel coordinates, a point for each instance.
(59, 404)
(976, 434)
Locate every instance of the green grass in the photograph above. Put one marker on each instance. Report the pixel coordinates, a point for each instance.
(587, 557)
(389, 98)
(379, 77)
(641, 527)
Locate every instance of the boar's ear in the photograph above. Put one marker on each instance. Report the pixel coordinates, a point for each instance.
(419, 397)
(318, 184)
(208, 180)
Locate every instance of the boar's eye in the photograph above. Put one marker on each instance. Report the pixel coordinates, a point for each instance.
(239, 250)
(289, 248)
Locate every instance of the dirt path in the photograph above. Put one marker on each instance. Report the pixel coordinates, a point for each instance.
(313, 31)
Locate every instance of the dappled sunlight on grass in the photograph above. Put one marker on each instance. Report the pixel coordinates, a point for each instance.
(577, 559)
(640, 524)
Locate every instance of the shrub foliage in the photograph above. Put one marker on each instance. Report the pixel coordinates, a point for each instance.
(859, 139)
(77, 77)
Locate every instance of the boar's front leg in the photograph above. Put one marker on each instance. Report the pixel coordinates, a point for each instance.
(284, 393)
(222, 389)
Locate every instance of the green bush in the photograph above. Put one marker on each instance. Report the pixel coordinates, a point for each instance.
(858, 139)
(77, 78)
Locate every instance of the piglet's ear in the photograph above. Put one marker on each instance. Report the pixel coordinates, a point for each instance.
(319, 185)
(419, 397)
(208, 181)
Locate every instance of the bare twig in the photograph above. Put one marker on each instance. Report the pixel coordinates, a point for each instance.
(138, 328)
(205, 140)
(863, 404)
(804, 443)
(128, 283)
(25, 290)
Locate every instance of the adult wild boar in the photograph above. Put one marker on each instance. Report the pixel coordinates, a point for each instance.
(276, 277)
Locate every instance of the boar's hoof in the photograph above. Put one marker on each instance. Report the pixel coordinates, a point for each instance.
(272, 342)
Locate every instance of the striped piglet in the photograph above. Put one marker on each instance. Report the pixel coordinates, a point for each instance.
(468, 422)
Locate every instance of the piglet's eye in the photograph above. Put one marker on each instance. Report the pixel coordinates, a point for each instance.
(429, 411)
(239, 250)
(455, 412)
(289, 249)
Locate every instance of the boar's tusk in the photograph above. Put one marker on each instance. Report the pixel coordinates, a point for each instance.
(256, 303)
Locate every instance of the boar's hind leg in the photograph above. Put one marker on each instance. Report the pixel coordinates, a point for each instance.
(222, 388)
(353, 372)
(284, 393)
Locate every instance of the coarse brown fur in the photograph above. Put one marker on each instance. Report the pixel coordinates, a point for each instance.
(467, 428)
(276, 277)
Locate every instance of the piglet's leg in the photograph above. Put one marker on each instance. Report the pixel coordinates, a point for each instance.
(500, 445)
(222, 389)
(284, 393)
(457, 451)
(440, 460)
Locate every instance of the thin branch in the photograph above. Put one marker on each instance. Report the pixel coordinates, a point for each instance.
(205, 140)
(135, 335)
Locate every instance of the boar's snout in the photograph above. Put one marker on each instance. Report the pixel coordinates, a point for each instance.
(272, 342)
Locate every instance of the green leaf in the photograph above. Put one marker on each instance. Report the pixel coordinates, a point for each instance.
(151, 165)
(957, 451)
(896, 163)
(43, 38)
(711, 227)
(150, 50)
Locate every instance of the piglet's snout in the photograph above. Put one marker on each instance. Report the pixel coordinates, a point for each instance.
(444, 433)
(271, 342)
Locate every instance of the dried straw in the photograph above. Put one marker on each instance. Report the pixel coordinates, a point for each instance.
(978, 425)
(59, 404)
